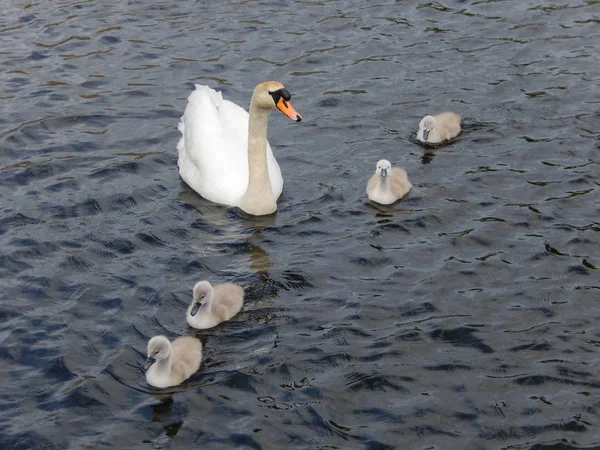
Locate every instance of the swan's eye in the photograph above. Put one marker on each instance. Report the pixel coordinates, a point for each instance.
(281, 93)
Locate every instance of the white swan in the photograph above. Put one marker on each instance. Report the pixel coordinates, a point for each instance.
(387, 185)
(438, 128)
(212, 305)
(223, 152)
(169, 364)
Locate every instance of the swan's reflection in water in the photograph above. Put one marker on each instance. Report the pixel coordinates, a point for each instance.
(228, 232)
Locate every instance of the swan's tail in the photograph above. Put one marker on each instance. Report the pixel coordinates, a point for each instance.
(203, 98)
(201, 90)
(199, 95)
(181, 142)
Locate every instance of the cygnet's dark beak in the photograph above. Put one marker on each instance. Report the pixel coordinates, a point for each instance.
(383, 172)
(425, 133)
(195, 308)
(149, 363)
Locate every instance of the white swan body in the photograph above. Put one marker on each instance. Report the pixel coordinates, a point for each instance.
(387, 185)
(223, 153)
(438, 128)
(212, 305)
(169, 364)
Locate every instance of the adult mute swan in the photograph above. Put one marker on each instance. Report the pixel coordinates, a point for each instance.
(387, 185)
(223, 152)
(212, 305)
(438, 128)
(169, 364)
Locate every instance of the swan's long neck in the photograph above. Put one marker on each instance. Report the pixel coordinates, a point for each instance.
(209, 307)
(258, 199)
(163, 366)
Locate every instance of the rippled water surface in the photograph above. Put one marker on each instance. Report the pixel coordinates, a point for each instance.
(463, 317)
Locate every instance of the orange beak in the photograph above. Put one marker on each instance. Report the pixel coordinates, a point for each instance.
(286, 107)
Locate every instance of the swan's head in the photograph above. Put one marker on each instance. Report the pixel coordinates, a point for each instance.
(427, 123)
(202, 294)
(159, 348)
(383, 167)
(273, 94)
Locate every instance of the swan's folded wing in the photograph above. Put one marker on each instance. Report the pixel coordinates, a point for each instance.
(399, 182)
(372, 184)
(186, 358)
(449, 124)
(213, 148)
(228, 299)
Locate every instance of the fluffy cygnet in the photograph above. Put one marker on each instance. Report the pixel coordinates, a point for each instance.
(212, 305)
(438, 128)
(169, 364)
(387, 184)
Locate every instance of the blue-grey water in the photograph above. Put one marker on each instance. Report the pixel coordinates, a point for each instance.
(463, 317)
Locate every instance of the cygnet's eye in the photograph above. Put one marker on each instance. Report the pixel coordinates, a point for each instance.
(156, 352)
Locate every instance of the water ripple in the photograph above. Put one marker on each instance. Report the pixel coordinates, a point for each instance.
(485, 273)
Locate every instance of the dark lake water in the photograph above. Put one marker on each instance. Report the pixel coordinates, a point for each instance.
(463, 317)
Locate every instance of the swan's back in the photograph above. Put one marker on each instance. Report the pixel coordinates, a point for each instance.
(227, 301)
(186, 358)
(213, 149)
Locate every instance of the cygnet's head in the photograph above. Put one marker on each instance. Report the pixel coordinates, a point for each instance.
(427, 123)
(159, 348)
(202, 295)
(383, 167)
(273, 94)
